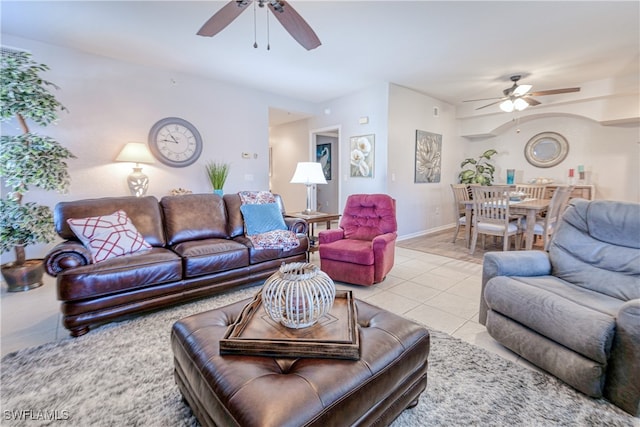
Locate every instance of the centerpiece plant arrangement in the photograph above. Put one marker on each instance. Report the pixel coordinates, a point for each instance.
(218, 172)
(478, 170)
(27, 159)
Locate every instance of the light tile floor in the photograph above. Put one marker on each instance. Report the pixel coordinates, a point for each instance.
(439, 292)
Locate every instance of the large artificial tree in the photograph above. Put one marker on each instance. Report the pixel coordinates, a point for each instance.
(27, 159)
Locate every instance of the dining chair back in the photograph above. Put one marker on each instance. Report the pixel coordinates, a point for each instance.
(460, 194)
(491, 216)
(545, 226)
(532, 191)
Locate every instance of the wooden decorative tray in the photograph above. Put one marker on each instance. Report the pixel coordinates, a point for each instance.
(334, 336)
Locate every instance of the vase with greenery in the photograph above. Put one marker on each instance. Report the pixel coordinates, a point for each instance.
(27, 159)
(478, 170)
(217, 173)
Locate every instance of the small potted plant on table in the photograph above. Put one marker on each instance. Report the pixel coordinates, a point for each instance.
(217, 173)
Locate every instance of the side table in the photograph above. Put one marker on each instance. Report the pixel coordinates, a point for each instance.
(312, 219)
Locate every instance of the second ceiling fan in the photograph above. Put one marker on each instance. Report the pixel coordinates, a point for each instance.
(518, 97)
(282, 10)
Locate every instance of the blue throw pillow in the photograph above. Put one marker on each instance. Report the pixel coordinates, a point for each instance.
(260, 218)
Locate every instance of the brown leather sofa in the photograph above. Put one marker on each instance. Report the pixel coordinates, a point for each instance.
(198, 249)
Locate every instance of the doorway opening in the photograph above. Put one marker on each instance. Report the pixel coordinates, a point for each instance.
(325, 149)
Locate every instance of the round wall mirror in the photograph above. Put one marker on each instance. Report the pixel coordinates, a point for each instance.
(546, 149)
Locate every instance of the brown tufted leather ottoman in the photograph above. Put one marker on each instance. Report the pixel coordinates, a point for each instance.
(235, 390)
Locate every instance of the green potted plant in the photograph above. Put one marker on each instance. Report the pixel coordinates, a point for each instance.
(27, 159)
(217, 173)
(478, 170)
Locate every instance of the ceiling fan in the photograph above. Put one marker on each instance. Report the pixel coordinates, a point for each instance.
(282, 10)
(518, 97)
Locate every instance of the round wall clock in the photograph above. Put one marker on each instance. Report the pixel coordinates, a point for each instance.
(175, 142)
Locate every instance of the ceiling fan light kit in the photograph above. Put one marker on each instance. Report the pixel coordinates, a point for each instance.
(517, 104)
(517, 97)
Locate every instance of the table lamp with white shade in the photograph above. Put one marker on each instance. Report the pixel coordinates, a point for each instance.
(136, 152)
(308, 173)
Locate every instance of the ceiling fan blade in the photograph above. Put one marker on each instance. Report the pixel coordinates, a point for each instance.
(223, 17)
(489, 105)
(295, 24)
(531, 101)
(481, 99)
(555, 91)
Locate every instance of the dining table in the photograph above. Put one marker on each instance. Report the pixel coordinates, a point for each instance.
(530, 208)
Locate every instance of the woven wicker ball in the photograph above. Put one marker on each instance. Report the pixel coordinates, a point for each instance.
(298, 294)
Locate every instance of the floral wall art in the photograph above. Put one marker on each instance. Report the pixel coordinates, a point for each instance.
(361, 156)
(428, 155)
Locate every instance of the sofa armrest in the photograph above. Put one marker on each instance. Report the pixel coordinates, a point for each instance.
(331, 235)
(66, 255)
(518, 263)
(623, 374)
(297, 225)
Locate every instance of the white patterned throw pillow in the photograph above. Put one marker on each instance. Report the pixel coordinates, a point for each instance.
(108, 236)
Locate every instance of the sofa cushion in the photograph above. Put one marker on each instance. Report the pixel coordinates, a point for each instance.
(144, 213)
(194, 217)
(595, 246)
(115, 275)
(108, 236)
(209, 256)
(262, 218)
(575, 317)
(349, 251)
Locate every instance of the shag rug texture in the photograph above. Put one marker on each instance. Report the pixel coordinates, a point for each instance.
(121, 374)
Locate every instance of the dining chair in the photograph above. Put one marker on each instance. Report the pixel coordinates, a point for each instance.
(545, 226)
(460, 194)
(532, 191)
(491, 216)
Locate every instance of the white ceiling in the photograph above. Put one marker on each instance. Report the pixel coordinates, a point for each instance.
(449, 50)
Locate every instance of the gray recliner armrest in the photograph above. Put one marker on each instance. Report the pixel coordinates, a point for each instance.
(623, 374)
(519, 263)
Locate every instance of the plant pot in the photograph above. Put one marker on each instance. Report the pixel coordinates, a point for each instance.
(25, 277)
(218, 192)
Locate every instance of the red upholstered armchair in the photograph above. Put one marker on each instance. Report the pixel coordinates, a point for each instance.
(361, 251)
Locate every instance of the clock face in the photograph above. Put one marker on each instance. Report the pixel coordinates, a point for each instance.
(175, 142)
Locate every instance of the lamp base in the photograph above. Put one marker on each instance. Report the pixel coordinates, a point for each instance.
(138, 182)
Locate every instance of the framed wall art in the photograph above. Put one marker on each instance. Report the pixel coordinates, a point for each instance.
(361, 156)
(428, 156)
(323, 156)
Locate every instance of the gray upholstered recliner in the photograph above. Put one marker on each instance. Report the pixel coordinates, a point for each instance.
(575, 311)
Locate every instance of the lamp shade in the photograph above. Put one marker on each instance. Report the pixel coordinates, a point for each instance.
(135, 152)
(308, 173)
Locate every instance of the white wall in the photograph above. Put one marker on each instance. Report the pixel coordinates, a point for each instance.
(289, 145)
(345, 112)
(610, 154)
(421, 207)
(111, 103)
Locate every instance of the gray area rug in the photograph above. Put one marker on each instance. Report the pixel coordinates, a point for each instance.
(122, 375)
